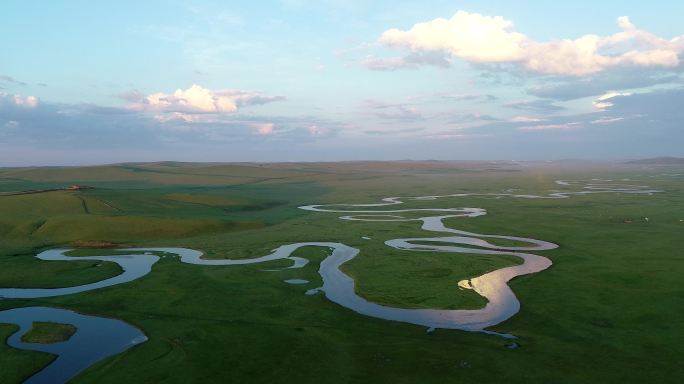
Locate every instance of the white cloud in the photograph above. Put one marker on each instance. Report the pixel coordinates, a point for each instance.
(176, 116)
(603, 101)
(607, 120)
(197, 100)
(470, 36)
(525, 119)
(550, 127)
(491, 39)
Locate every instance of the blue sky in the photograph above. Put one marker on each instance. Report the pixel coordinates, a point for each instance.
(85, 82)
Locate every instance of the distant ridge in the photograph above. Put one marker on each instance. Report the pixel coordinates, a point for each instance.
(658, 161)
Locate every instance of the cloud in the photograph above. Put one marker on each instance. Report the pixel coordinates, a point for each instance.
(53, 133)
(472, 37)
(539, 105)
(411, 61)
(315, 130)
(132, 96)
(263, 128)
(607, 120)
(393, 131)
(399, 111)
(17, 100)
(469, 117)
(196, 100)
(235, 127)
(10, 80)
(176, 116)
(662, 108)
(455, 135)
(468, 97)
(550, 127)
(37, 124)
(603, 101)
(642, 124)
(602, 83)
(525, 119)
(44, 124)
(11, 124)
(483, 39)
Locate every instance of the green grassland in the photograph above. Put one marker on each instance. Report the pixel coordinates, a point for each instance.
(17, 364)
(47, 333)
(608, 310)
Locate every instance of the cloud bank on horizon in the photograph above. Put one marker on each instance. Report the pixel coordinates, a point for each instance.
(461, 85)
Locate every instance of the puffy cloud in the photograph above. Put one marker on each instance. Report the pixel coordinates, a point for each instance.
(17, 100)
(28, 101)
(197, 100)
(472, 37)
(485, 39)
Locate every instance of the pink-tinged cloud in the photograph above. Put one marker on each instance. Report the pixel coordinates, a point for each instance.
(263, 129)
(491, 39)
(17, 100)
(199, 100)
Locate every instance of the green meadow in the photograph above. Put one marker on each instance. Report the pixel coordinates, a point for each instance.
(47, 333)
(609, 310)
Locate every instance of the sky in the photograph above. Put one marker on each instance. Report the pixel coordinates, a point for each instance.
(94, 82)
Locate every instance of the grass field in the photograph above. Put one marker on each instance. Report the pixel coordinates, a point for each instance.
(608, 310)
(47, 333)
(17, 365)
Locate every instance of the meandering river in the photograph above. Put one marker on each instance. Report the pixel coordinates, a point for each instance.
(96, 338)
(339, 287)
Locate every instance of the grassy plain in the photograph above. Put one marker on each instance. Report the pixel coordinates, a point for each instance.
(47, 333)
(17, 364)
(609, 310)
